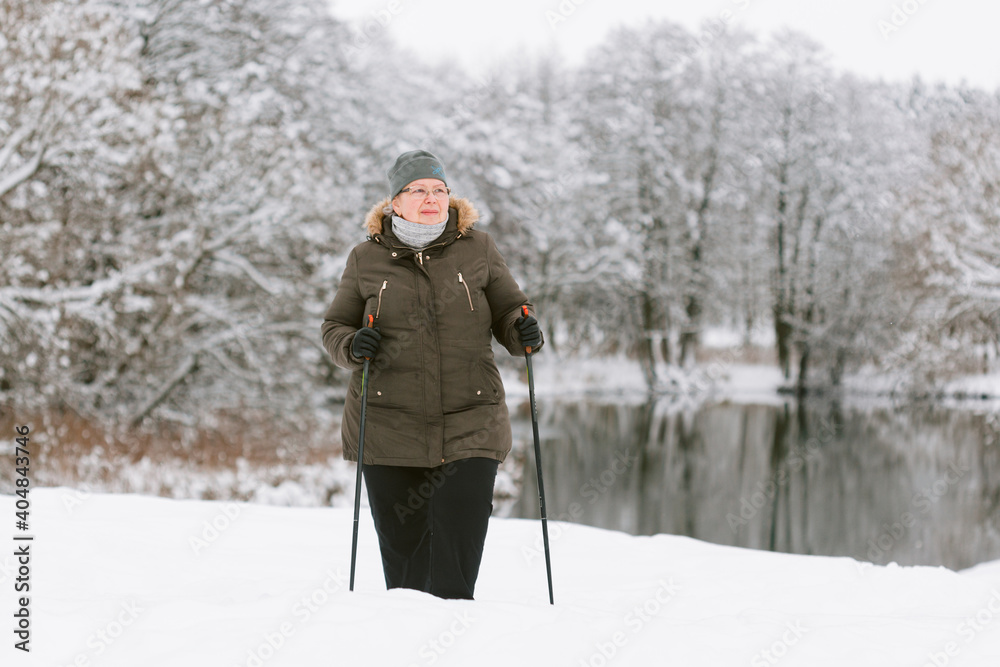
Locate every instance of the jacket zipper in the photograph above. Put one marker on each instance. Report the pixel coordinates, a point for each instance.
(467, 292)
(378, 308)
(419, 253)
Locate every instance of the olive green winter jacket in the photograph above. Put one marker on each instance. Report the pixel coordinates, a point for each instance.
(434, 391)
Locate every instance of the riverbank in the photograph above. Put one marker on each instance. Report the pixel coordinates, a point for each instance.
(724, 379)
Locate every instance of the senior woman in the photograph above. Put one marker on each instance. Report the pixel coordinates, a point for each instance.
(436, 426)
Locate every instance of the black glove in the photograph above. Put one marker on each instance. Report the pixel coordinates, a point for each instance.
(365, 343)
(531, 335)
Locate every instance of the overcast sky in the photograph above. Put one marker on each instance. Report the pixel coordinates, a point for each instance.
(948, 40)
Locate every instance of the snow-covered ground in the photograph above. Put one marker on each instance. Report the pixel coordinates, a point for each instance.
(132, 581)
(621, 379)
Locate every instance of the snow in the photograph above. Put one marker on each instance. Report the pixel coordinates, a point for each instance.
(131, 580)
(727, 337)
(621, 379)
(975, 386)
(614, 378)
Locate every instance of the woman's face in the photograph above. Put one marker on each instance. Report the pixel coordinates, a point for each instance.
(428, 209)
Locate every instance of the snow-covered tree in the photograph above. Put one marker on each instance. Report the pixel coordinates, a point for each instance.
(204, 290)
(949, 230)
(73, 119)
(641, 101)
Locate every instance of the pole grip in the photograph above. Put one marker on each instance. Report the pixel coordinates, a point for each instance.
(525, 313)
(369, 323)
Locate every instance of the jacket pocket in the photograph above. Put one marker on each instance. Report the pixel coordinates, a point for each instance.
(396, 389)
(466, 379)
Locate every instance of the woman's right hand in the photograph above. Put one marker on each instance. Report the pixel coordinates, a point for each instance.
(365, 343)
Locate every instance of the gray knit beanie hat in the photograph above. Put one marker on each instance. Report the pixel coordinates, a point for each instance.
(411, 166)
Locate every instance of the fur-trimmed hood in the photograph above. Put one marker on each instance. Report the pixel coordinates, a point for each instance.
(466, 217)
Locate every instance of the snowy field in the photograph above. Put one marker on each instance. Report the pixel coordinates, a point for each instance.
(131, 581)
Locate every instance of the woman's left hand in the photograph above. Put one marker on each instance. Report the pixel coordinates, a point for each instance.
(531, 334)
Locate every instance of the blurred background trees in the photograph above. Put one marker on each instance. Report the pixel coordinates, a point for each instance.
(180, 183)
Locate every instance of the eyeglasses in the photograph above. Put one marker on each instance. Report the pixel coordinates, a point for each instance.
(421, 193)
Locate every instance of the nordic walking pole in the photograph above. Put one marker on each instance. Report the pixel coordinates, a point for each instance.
(361, 459)
(538, 463)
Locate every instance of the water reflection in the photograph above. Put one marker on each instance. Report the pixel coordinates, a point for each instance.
(914, 485)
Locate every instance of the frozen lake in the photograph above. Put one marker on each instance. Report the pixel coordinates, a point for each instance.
(914, 484)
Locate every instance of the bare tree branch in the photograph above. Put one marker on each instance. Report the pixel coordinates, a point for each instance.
(189, 366)
(22, 173)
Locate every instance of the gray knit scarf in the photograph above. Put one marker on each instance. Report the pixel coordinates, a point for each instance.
(414, 234)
